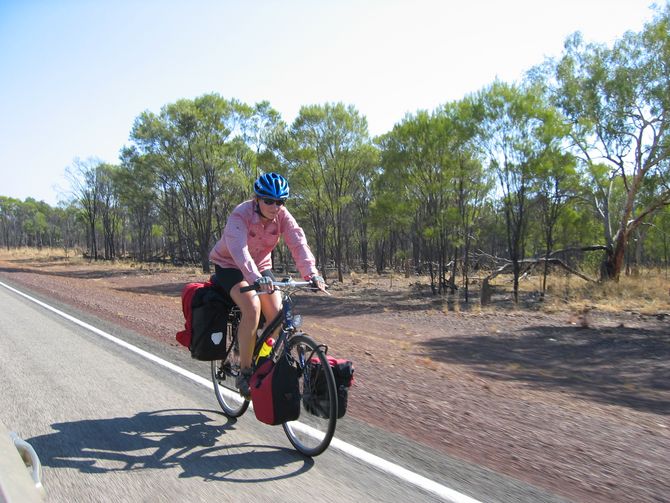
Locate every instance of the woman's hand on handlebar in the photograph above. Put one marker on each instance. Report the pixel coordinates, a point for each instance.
(267, 285)
(318, 283)
(264, 285)
(261, 285)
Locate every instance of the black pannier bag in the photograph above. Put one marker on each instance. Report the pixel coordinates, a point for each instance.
(209, 321)
(315, 396)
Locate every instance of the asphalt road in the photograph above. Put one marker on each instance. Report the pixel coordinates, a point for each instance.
(110, 425)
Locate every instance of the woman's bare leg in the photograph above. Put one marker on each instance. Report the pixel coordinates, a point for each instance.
(250, 307)
(271, 305)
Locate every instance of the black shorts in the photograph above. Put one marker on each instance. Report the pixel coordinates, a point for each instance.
(227, 278)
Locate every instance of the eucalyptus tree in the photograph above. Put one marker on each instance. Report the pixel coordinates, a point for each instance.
(235, 179)
(643, 244)
(332, 160)
(557, 183)
(253, 148)
(136, 183)
(362, 199)
(10, 230)
(188, 144)
(109, 208)
(657, 239)
(391, 213)
(617, 102)
(290, 155)
(31, 223)
(471, 183)
(412, 192)
(67, 218)
(84, 177)
(517, 131)
(425, 171)
(261, 128)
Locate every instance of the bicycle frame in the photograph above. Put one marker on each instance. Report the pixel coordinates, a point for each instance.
(312, 434)
(284, 318)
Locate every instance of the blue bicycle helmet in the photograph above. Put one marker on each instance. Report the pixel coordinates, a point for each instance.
(271, 185)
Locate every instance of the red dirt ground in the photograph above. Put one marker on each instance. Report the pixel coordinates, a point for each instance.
(580, 411)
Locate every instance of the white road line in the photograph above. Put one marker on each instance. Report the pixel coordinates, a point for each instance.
(398, 471)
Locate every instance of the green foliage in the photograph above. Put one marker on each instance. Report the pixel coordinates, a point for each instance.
(575, 155)
(617, 103)
(331, 167)
(157, 231)
(198, 157)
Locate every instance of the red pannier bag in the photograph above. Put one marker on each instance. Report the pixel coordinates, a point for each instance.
(275, 392)
(187, 293)
(206, 310)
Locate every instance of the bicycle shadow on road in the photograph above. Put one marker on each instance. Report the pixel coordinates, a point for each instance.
(187, 439)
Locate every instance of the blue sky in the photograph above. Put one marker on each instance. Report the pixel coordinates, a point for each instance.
(74, 74)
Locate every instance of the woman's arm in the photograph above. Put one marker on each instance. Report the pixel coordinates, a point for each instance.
(235, 237)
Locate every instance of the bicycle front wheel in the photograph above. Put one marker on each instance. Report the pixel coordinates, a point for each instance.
(224, 374)
(312, 432)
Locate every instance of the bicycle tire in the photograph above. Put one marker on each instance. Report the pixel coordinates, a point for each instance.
(224, 373)
(311, 433)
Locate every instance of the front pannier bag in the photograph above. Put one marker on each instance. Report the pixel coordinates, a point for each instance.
(315, 399)
(275, 392)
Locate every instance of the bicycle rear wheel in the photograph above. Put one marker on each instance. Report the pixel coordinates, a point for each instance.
(224, 374)
(312, 432)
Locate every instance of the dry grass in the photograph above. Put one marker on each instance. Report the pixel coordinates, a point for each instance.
(53, 256)
(40, 254)
(647, 292)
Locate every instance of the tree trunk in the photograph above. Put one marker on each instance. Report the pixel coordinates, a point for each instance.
(614, 258)
(486, 292)
(516, 270)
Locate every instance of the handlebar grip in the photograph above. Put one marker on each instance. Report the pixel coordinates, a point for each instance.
(249, 288)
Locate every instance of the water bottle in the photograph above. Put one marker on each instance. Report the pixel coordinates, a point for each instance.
(265, 350)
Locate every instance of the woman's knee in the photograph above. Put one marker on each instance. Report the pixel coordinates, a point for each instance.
(271, 305)
(250, 307)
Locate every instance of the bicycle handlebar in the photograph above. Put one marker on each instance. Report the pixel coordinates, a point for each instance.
(281, 284)
(278, 284)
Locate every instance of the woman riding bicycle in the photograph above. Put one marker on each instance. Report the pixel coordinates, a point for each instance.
(242, 257)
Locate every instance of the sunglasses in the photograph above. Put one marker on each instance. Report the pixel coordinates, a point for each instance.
(278, 202)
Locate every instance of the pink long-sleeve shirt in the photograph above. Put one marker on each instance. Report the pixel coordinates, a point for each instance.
(247, 242)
